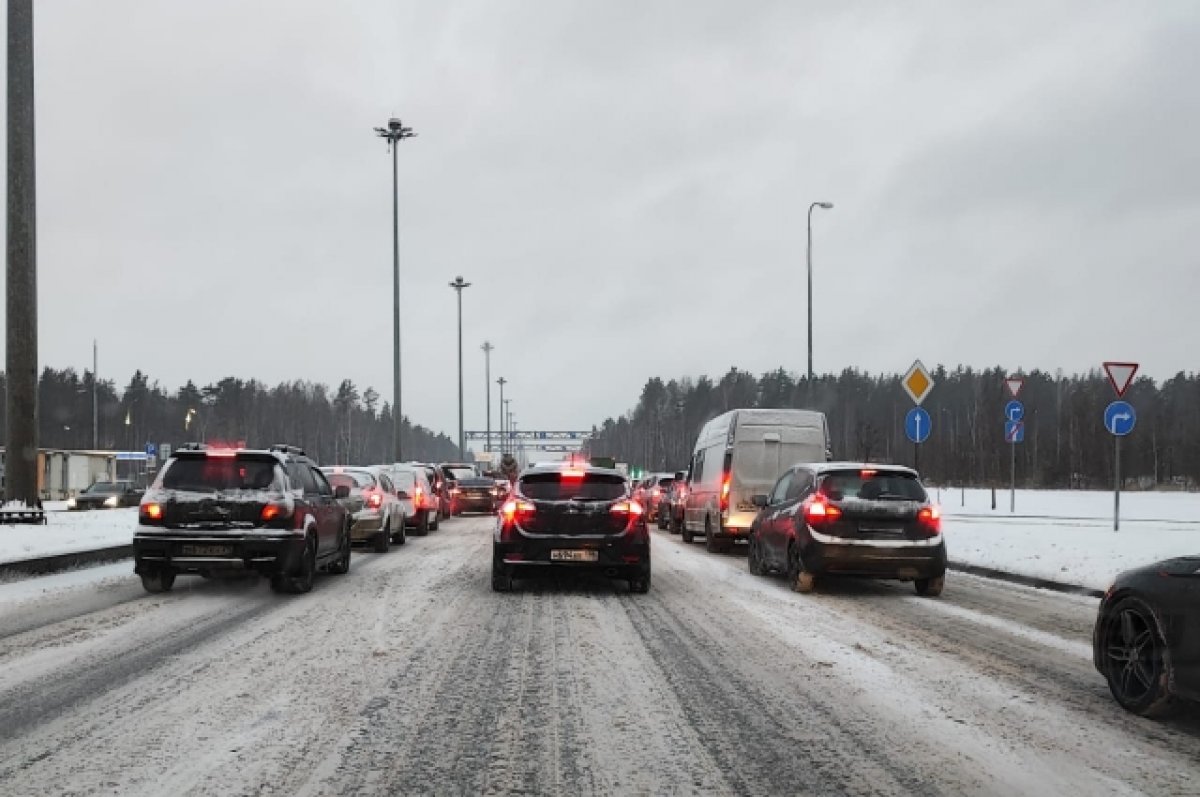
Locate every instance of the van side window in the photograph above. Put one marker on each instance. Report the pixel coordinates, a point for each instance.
(698, 471)
(801, 486)
(779, 494)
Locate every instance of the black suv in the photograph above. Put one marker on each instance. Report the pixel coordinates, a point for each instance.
(271, 512)
(571, 517)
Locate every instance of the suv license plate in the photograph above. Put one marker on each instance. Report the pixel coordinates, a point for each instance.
(574, 556)
(206, 550)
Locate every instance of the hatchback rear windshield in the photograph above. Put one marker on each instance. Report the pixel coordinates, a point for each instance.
(872, 486)
(557, 487)
(355, 480)
(210, 474)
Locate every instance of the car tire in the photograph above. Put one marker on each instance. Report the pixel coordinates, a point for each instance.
(799, 579)
(301, 582)
(686, 533)
(158, 581)
(930, 587)
(436, 524)
(401, 536)
(674, 525)
(422, 525)
(661, 521)
(711, 543)
(640, 583)
(383, 539)
(341, 565)
(502, 578)
(1140, 686)
(754, 557)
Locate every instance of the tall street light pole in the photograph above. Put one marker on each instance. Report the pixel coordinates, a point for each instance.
(826, 206)
(508, 428)
(21, 353)
(458, 285)
(502, 382)
(95, 400)
(395, 132)
(487, 383)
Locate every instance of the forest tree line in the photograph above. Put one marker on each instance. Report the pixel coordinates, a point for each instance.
(342, 426)
(1066, 444)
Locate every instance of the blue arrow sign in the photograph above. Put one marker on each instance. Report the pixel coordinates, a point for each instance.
(917, 425)
(150, 449)
(1119, 418)
(1014, 431)
(1014, 411)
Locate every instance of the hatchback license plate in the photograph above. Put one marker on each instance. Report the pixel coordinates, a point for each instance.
(574, 556)
(206, 550)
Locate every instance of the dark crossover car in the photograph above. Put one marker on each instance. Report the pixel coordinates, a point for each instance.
(478, 494)
(571, 518)
(270, 512)
(106, 495)
(1147, 637)
(455, 472)
(850, 519)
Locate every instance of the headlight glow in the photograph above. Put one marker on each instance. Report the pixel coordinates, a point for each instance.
(111, 501)
(71, 503)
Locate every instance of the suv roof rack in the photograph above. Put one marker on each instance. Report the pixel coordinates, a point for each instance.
(191, 447)
(283, 448)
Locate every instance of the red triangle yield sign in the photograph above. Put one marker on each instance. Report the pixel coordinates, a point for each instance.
(1120, 376)
(1014, 384)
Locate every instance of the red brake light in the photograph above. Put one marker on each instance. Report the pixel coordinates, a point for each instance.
(512, 508)
(930, 517)
(418, 501)
(657, 492)
(573, 473)
(274, 511)
(375, 500)
(152, 511)
(819, 511)
(629, 507)
(725, 494)
(220, 452)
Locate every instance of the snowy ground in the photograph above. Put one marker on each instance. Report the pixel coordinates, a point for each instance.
(409, 676)
(67, 532)
(1067, 536)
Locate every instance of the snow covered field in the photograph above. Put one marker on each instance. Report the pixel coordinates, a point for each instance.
(67, 532)
(1067, 536)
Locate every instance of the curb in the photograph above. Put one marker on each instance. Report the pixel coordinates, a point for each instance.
(40, 566)
(1026, 581)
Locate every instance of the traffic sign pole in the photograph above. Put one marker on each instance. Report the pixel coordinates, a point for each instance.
(1117, 485)
(1012, 477)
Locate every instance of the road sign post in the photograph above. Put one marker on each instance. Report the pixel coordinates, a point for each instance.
(1014, 432)
(1119, 420)
(917, 424)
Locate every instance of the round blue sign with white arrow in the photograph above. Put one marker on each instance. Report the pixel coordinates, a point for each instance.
(1119, 418)
(917, 425)
(1014, 411)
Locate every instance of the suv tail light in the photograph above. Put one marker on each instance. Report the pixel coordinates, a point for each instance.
(374, 500)
(150, 513)
(418, 498)
(930, 519)
(275, 511)
(820, 512)
(630, 507)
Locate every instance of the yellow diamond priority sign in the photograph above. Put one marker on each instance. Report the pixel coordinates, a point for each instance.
(917, 382)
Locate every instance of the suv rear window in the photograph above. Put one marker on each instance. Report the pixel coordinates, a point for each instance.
(459, 473)
(872, 486)
(210, 474)
(553, 487)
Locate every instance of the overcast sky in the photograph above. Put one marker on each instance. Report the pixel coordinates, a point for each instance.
(625, 185)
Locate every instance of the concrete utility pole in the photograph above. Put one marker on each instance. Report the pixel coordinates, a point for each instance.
(487, 383)
(95, 400)
(395, 132)
(458, 285)
(826, 206)
(21, 361)
(503, 440)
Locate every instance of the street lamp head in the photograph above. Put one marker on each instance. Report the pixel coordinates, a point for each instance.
(395, 124)
(459, 284)
(826, 205)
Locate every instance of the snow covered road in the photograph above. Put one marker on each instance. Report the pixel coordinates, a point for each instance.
(410, 676)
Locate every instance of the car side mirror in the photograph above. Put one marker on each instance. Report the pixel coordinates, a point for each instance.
(680, 475)
(402, 495)
(341, 491)
(759, 501)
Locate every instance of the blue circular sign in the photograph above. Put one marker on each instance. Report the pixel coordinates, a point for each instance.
(917, 425)
(1120, 418)
(1014, 411)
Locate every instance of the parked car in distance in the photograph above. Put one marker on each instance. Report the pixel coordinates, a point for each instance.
(376, 514)
(571, 518)
(852, 519)
(739, 454)
(416, 496)
(271, 512)
(106, 495)
(1146, 642)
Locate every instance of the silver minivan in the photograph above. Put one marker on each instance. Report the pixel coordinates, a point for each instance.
(741, 454)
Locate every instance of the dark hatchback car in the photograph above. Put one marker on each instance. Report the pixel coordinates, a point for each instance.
(213, 510)
(562, 518)
(106, 495)
(478, 494)
(1146, 642)
(849, 519)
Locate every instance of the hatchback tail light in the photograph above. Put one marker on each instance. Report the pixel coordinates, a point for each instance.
(374, 500)
(150, 512)
(930, 519)
(514, 509)
(276, 511)
(630, 507)
(820, 512)
(418, 498)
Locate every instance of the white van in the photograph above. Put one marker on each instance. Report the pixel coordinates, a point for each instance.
(738, 455)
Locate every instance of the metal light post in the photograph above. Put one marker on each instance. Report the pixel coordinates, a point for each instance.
(501, 382)
(21, 352)
(487, 385)
(95, 400)
(826, 206)
(508, 427)
(458, 285)
(395, 132)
